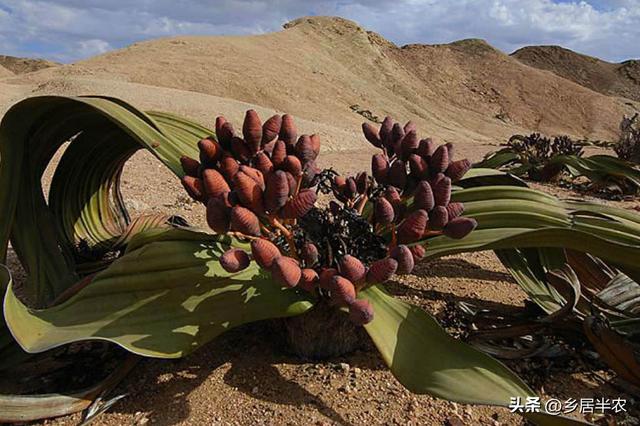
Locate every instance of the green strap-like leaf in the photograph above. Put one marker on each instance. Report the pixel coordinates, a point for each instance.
(11, 354)
(84, 206)
(426, 360)
(487, 176)
(524, 265)
(601, 168)
(163, 299)
(28, 408)
(514, 217)
(498, 159)
(623, 255)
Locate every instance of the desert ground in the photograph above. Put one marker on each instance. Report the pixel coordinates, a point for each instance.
(326, 72)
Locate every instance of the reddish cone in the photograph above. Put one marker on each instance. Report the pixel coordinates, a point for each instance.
(190, 166)
(439, 160)
(218, 215)
(352, 269)
(361, 312)
(288, 132)
(214, 183)
(438, 217)
(252, 130)
(382, 270)
(458, 169)
(423, 198)
(271, 129)
(308, 279)
(264, 252)
(276, 192)
(380, 168)
(383, 211)
(194, 187)
(460, 227)
(286, 271)
(234, 260)
(342, 291)
(300, 204)
(371, 134)
(405, 259)
(210, 152)
(412, 228)
(245, 221)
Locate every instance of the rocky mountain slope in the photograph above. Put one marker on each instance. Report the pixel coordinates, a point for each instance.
(5, 73)
(24, 65)
(604, 77)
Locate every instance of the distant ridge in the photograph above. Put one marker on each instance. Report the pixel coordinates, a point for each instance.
(24, 65)
(608, 78)
(5, 73)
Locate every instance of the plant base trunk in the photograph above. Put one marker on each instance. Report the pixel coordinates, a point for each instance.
(550, 173)
(323, 332)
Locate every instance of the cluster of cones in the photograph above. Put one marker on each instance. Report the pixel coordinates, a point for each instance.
(414, 178)
(258, 177)
(263, 185)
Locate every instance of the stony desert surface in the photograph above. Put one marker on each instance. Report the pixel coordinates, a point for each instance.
(326, 72)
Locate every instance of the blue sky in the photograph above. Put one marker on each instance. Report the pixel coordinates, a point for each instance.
(68, 30)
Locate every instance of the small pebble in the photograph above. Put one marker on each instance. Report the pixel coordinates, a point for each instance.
(345, 389)
(454, 421)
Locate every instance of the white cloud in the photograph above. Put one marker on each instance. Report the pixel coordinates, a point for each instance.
(73, 29)
(92, 47)
(611, 33)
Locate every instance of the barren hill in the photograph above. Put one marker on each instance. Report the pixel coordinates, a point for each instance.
(621, 79)
(329, 70)
(4, 73)
(24, 65)
(473, 75)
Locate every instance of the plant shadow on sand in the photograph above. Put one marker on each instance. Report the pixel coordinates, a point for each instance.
(572, 372)
(245, 359)
(249, 366)
(459, 268)
(449, 268)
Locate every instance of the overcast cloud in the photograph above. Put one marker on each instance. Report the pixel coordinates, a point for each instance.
(67, 30)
